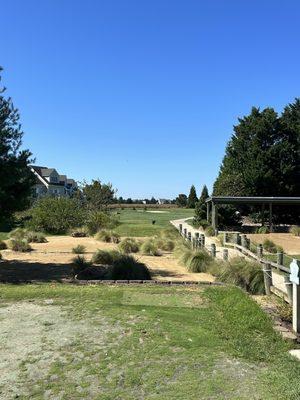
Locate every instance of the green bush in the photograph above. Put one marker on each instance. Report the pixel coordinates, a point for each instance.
(238, 271)
(269, 246)
(80, 249)
(199, 261)
(18, 233)
(169, 233)
(108, 236)
(295, 230)
(127, 268)
(56, 215)
(129, 245)
(165, 244)
(79, 265)
(150, 248)
(263, 229)
(3, 245)
(35, 237)
(105, 257)
(20, 245)
(100, 220)
(209, 231)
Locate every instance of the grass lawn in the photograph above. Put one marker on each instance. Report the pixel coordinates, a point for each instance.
(4, 235)
(286, 259)
(139, 222)
(140, 342)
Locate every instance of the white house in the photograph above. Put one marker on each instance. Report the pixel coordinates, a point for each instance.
(49, 182)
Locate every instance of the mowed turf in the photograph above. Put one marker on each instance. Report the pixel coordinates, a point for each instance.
(140, 223)
(140, 342)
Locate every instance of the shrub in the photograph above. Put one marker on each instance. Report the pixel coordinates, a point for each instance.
(198, 261)
(21, 245)
(165, 244)
(80, 249)
(35, 237)
(18, 233)
(99, 220)
(108, 236)
(79, 264)
(127, 267)
(79, 232)
(246, 274)
(204, 223)
(169, 233)
(3, 245)
(269, 246)
(56, 215)
(150, 248)
(209, 231)
(105, 257)
(295, 230)
(129, 245)
(263, 229)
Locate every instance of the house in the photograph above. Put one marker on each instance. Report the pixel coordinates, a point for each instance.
(48, 182)
(163, 201)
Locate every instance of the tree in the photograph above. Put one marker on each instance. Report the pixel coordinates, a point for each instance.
(16, 178)
(201, 207)
(192, 199)
(98, 195)
(181, 200)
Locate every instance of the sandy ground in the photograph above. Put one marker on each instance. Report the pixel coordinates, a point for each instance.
(58, 251)
(290, 243)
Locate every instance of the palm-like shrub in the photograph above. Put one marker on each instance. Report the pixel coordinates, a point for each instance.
(105, 257)
(3, 245)
(129, 245)
(79, 264)
(127, 268)
(198, 261)
(150, 248)
(80, 249)
(295, 230)
(20, 245)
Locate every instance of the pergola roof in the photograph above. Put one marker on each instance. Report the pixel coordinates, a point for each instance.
(252, 200)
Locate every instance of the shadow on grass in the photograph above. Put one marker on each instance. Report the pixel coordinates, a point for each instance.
(14, 271)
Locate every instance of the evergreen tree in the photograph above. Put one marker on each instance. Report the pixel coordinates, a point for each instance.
(181, 200)
(201, 207)
(16, 179)
(192, 199)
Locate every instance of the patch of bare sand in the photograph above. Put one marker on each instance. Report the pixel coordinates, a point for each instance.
(33, 336)
(290, 243)
(58, 250)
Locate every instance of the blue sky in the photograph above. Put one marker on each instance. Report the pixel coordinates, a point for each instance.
(144, 94)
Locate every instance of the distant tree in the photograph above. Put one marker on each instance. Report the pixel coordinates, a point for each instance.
(129, 201)
(153, 200)
(120, 200)
(192, 199)
(181, 200)
(98, 195)
(201, 207)
(16, 179)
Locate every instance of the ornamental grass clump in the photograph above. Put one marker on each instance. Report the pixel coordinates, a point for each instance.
(108, 236)
(79, 264)
(150, 248)
(80, 249)
(105, 257)
(20, 245)
(128, 268)
(165, 244)
(35, 237)
(3, 245)
(295, 230)
(198, 261)
(129, 245)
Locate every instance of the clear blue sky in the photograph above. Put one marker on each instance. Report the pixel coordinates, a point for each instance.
(144, 94)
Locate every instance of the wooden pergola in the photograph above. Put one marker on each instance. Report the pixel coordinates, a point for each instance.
(214, 201)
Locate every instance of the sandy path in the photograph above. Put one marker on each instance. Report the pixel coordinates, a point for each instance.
(290, 243)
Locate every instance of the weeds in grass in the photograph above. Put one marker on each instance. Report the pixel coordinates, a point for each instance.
(129, 245)
(80, 249)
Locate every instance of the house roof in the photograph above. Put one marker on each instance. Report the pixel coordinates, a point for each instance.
(45, 172)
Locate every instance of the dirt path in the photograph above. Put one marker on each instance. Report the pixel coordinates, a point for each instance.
(290, 243)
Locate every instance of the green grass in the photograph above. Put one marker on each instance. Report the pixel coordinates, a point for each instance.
(4, 235)
(144, 342)
(286, 259)
(139, 222)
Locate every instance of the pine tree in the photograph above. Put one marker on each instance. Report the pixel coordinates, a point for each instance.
(192, 199)
(16, 179)
(201, 207)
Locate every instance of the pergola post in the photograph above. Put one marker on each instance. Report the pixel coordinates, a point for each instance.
(271, 217)
(207, 211)
(214, 216)
(263, 214)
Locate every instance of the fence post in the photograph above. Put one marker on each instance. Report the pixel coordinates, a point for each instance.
(280, 258)
(225, 238)
(180, 228)
(259, 250)
(197, 234)
(237, 238)
(202, 240)
(225, 254)
(244, 240)
(267, 270)
(184, 232)
(189, 236)
(213, 250)
(289, 288)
